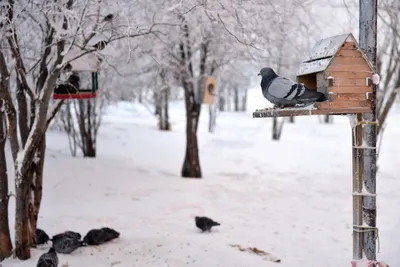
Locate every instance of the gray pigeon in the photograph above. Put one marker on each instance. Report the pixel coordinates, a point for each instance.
(99, 236)
(66, 245)
(41, 237)
(48, 259)
(70, 234)
(283, 92)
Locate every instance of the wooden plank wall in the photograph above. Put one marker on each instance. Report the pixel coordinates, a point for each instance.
(350, 71)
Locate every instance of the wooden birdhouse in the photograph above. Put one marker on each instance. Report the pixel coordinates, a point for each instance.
(209, 89)
(338, 68)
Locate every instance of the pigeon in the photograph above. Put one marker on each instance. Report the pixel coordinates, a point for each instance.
(66, 245)
(110, 234)
(205, 223)
(41, 237)
(48, 259)
(70, 234)
(283, 92)
(99, 236)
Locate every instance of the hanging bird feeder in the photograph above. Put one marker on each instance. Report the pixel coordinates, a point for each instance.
(80, 78)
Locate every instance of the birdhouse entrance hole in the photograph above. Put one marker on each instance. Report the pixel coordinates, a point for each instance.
(210, 89)
(309, 81)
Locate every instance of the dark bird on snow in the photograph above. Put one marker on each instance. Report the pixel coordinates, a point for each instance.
(283, 92)
(69, 234)
(66, 245)
(110, 233)
(205, 223)
(99, 236)
(41, 237)
(48, 259)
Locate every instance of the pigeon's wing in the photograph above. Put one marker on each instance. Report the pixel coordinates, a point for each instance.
(283, 88)
(66, 245)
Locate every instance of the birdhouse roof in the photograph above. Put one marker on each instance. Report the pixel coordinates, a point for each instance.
(87, 62)
(324, 51)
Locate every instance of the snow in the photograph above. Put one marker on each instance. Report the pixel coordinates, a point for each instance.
(291, 198)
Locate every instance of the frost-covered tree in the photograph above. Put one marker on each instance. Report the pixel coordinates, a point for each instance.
(202, 38)
(39, 41)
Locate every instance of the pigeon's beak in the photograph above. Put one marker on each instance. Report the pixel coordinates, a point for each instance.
(259, 74)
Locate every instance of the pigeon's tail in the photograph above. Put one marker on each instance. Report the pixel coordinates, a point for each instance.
(321, 97)
(216, 224)
(310, 96)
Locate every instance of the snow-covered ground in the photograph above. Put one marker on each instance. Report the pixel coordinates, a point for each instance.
(291, 198)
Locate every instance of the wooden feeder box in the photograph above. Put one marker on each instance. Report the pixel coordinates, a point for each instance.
(338, 68)
(209, 89)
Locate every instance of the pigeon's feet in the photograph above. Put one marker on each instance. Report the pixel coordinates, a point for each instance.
(300, 105)
(278, 106)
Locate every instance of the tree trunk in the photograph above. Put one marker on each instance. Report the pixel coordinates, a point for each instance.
(212, 118)
(244, 101)
(37, 187)
(22, 202)
(191, 164)
(157, 103)
(164, 124)
(5, 240)
(229, 98)
(328, 119)
(236, 98)
(90, 151)
(140, 96)
(221, 103)
(277, 129)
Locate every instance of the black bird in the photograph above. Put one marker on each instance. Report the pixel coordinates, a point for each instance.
(95, 237)
(110, 234)
(109, 17)
(283, 92)
(99, 236)
(205, 223)
(41, 237)
(69, 234)
(100, 45)
(48, 259)
(66, 245)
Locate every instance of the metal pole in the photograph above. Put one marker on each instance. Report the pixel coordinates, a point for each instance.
(368, 43)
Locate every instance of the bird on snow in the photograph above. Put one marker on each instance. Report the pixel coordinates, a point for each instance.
(66, 245)
(41, 237)
(283, 92)
(100, 236)
(48, 259)
(110, 234)
(205, 223)
(69, 234)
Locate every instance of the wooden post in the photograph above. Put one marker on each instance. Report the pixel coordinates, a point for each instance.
(365, 242)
